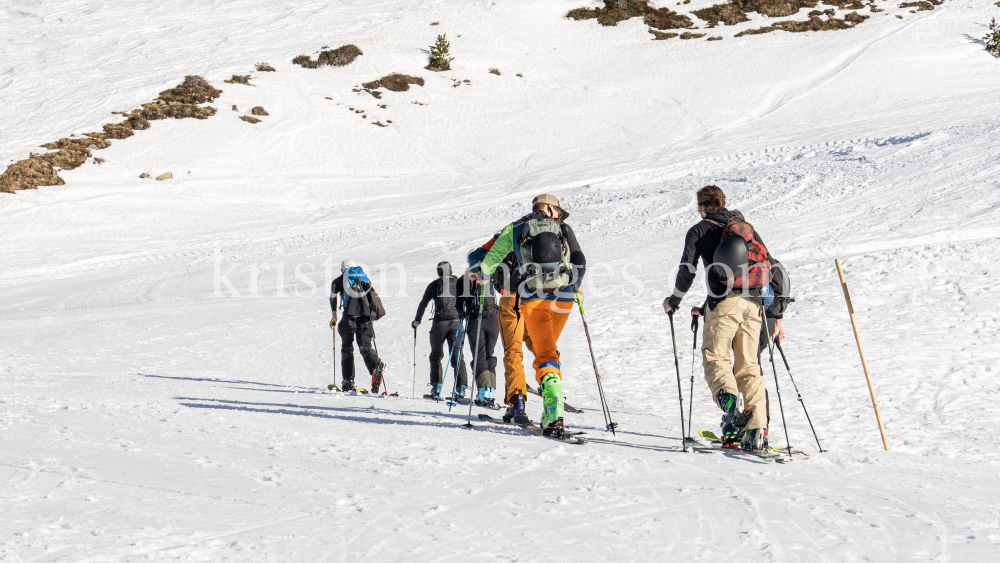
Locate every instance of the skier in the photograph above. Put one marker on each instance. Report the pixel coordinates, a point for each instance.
(361, 306)
(551, 267)
(486, 337)
(506, 280)
(733, 316)
(444, 292)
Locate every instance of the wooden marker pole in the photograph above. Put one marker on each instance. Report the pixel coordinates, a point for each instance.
(864, 363)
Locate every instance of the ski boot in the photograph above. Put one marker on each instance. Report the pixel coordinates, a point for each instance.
(347, 385)
(734, 419)
(552, 410)
(754, 440)
(489, 401)
(481, 397)
(459, 392)
(377, 376)
(515, 411)
(436, 391)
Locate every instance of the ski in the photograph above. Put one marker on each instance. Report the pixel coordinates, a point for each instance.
(568, 437)
(566, 407)
(709, 435)
(332, 387)
(716, 446)
(433, 398)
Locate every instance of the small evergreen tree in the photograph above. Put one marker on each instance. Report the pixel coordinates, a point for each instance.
(993, 39)
(439, 59)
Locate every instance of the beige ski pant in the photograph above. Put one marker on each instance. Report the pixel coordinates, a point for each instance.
(729, 349)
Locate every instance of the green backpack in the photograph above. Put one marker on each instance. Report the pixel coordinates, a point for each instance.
(544, 253)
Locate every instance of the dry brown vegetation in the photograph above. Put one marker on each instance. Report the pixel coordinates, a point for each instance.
(728, 14)
(239, 79)
(394, 82)
(921, 6)
(689, 35)
(615, 11)
(341, 56)
(814, 23)
(495, 71)
(845, 4)
(661, 36)
(70, 153)
(264, 67)
(249, 119)
(259, 110)
(715, 38)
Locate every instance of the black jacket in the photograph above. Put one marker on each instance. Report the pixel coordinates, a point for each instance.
(444, 309)
(701, 242)
(356, 304)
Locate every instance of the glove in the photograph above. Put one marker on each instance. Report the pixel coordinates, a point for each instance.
(670, 305)
(415, 324)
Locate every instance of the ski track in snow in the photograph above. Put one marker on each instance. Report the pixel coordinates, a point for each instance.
(143, 417)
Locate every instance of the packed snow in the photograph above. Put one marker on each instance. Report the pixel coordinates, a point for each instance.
(166, 348)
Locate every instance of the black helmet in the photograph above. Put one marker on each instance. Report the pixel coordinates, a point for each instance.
(731, 258)
(546, 250)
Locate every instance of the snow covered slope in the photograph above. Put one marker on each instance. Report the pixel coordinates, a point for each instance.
(145, 415)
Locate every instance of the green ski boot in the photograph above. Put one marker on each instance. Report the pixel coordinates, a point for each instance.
(552, 415)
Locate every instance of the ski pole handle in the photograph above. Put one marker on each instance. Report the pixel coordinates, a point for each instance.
(579, 301)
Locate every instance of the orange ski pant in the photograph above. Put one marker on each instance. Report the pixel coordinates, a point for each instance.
(514, 339)
(544, 321)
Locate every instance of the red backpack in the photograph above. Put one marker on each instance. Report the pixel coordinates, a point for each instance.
(759, 273)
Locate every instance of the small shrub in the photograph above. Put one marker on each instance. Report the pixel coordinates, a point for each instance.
(379, 123)
(439, 59)
(435, 23)
(394, 82)
(249, 119)
(664, 18)
(341, 56)
(724, 13)
(715, 38)
(194, 90)
(992, 38)
(118, 130)
(264, 67)
(921, 6)
(661, 36)
(845, 4)
(495, 71)
(99, 161)
(259, 111)
(239, 79)
(29, 174)
(689, 35)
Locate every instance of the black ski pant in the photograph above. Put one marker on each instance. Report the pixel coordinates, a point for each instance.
(761, 348)
(360, 329)
(486, 362)
(445, 330)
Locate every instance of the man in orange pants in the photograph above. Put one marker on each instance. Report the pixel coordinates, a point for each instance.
(551, 267)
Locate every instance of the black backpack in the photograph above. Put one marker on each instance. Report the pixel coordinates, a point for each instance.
(446, 299)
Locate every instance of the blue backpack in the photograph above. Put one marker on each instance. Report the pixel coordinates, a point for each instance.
(355, 284)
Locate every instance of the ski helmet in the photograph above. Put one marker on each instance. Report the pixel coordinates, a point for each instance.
(546, 250)
(346, 264)
(731, 258)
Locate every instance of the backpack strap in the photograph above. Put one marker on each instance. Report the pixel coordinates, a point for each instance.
(717, 224)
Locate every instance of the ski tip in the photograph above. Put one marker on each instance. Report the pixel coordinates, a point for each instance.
(332, 387)
(709, 435)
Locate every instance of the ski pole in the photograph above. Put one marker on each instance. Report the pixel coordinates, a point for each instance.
(414, 362)
(694, 347)
(475, 354)
(777, 342)
(677, 365)
(458, 333)
(777, 387)
(335, 354)
(609, 424)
